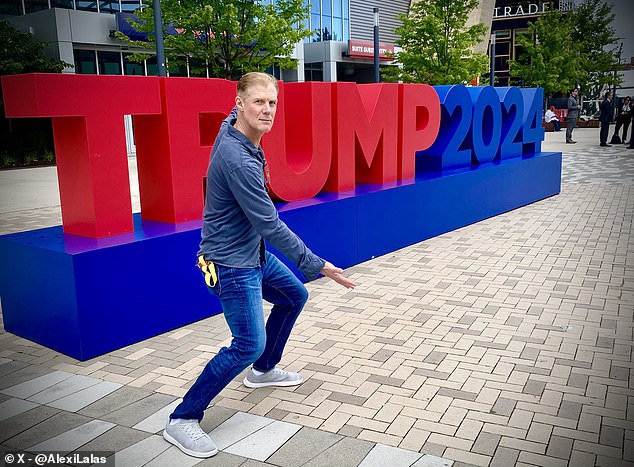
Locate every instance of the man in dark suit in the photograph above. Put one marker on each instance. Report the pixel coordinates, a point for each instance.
(605, 117)
(631, 146)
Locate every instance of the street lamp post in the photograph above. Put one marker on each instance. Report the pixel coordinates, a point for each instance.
(614, 107)
(492, 72)
(158, 33)
(376, 45)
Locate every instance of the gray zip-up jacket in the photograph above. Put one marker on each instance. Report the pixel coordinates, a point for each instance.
(239, 212)
(573, 108)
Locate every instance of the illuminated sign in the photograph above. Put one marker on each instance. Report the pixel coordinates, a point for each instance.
(365, 50)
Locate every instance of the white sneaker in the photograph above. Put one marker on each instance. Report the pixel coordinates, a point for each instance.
(274, 377)
(187, 436)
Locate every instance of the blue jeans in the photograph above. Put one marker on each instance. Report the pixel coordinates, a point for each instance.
(241, 292)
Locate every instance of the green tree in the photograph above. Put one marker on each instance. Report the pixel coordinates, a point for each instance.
(31, 139)
(593, 31)
(549, 58)
(578, 48)
(22, 53)
(225, 38)
(437, 44)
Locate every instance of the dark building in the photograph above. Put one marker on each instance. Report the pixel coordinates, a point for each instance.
(510, 20)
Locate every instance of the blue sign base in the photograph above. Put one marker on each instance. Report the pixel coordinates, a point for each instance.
(86, 297)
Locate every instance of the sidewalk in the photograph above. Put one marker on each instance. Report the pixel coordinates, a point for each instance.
(507, 342)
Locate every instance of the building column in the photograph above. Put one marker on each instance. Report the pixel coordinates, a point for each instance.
(299, 53)
(330, 71)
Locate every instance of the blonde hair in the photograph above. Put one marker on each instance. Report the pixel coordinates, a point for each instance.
(254, 78)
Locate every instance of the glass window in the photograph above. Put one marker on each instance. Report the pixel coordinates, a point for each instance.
(326, 31)
(151, 66)
(131, 68)
(315, 26)
(336, 8)
(85, 63)
(274, 71)
(503, 48)
(68, 4)
(337, 29)
(503, 34)
(346, 29)
(314, 6)
(197, 68)
(314, 72)
(86, 5)
(518, 49)
(10, 8)
(130, 5)
(176, 67)
(109, 6)
(501, 63)
(109, 63)
(35, 5)
(326, 7)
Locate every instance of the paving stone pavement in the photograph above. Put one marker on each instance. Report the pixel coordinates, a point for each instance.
(506, 342)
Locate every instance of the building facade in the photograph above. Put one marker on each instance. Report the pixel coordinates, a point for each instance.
(81, 32)
(510, 19)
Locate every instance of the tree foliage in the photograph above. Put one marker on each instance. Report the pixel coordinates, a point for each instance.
(598, 59)
(22, 53)
(225, 38)
(562, 51)
(549, 58)
(437, 44)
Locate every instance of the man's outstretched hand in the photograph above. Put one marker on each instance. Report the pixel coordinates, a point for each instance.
(336, 274)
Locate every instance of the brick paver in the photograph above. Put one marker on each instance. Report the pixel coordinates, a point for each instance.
(505, 342)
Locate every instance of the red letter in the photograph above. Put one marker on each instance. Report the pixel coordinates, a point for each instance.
(298, 149)
(90, 146)
(419, 124)
(365, 125)
(173, 148)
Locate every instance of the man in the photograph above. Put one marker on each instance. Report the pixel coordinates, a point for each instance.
(606, 111)
(631, 146)
(238, 216)
(573, 115)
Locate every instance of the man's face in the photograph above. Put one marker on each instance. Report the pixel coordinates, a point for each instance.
(574, 93)
(257, 107)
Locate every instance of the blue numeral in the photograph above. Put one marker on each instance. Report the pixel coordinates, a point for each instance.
(532, 131)
(486, 126)
(450, 150)
(512, 117)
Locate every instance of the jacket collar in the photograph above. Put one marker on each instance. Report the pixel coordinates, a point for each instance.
(246, 142)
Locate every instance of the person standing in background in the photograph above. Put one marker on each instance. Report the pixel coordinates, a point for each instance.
(605, 116)
(573, 114)
(623, 120)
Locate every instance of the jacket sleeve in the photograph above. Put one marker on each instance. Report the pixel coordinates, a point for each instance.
(247, 185)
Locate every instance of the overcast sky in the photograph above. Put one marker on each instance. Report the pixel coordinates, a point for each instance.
(624, 25)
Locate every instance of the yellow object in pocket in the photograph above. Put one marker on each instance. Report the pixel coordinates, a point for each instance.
(209, 270)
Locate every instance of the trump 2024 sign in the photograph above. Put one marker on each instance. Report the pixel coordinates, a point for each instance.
(357, 171)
